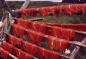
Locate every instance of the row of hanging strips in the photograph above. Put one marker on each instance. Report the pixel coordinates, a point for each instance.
(56, 10)
(34, 50)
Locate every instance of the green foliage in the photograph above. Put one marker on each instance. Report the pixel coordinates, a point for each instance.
(74, 19)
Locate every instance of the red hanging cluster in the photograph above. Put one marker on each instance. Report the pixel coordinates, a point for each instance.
(67, 10)
(17, 30)
(22, 55)
(43, 11)
(34, 36)
(13, 40)
(39, 28)
(67, 34)
(29, 48)
(51, 55)
(58, 10)
(47, 54)
(4, 54)
(7, 47)
(24, 23)
(57, 44)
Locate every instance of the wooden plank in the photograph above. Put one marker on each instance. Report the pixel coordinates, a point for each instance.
(37, 19)
(80, 32)
(13, 56)
(76, 49)
(25, 5)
